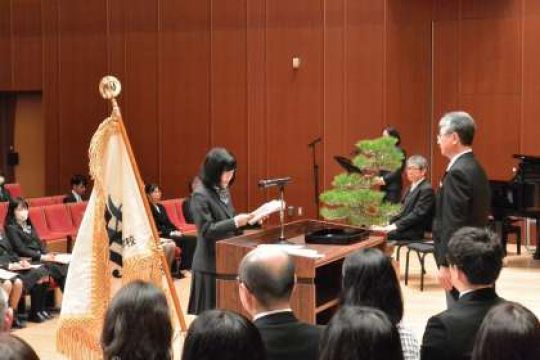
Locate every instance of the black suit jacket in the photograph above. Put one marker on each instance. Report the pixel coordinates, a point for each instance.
(451, 334)
(462, 200)
(214, 221)
(416, 214)
(4, 195)
(7, 255)
(285, 337)
(163, 223)
(393, 182)
(25, 244)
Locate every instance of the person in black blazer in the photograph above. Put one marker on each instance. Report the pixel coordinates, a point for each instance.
(418, 203)
(79, 184)
(215, 218)
(391, 181)
(464, 196)
(267, 278)
(475, 258)
(4, 195)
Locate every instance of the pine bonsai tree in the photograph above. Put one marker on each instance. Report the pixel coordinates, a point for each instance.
(353, 198)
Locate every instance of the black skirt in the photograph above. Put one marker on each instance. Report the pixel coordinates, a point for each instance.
(32, 276)
(202, 296)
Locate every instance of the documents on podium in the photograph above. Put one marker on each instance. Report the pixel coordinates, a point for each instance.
(266, 209)
(295, 250)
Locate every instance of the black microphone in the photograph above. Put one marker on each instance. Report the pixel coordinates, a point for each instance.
(317, 140)
(274, 182)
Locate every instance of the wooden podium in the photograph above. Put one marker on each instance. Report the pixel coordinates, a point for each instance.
(315, 297)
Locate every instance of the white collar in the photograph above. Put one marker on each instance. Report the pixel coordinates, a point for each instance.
(457, 156)
(272, 312)
(77, 196)
(414, 185)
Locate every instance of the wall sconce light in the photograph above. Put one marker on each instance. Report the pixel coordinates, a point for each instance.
(296, 62)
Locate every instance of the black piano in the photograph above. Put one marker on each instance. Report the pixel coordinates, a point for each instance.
(519, 196)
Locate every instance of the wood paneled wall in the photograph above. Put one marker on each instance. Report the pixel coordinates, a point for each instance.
(486, 56)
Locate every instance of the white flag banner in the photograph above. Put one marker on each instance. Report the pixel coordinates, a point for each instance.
(115, 235)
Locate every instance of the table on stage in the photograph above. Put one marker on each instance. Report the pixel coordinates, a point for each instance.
(315, 297)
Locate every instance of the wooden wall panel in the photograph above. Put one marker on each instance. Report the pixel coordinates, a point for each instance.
(6, 37)
(228, 88)
(27, 45)
(82, 61)
(184, 87)
(140, 107)
(295, 97)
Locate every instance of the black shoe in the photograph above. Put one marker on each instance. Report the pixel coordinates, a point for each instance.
(36, 317)
(45, 314)
(18, 324)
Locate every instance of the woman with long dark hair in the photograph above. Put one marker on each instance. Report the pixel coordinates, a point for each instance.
(216, 219)
(222, 335)
(369, 279)
(137, 324)
(360, 333)
(509, 331)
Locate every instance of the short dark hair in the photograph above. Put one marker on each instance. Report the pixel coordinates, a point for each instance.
(216, 162)
(369, 279)
(123, 335)
(14, 348)
(268, 285)
(461, 123)
(509, 331)
(13, 205)
(393, 132)
(150, 188)
(78, 180)
(225, 335)
(477, 253)
(360, 332)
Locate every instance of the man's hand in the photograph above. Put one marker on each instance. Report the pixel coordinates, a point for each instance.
(444, 278)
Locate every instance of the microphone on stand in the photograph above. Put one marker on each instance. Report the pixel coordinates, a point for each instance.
(274, 182)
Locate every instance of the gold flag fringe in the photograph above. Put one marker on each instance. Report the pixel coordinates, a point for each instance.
(77, 341)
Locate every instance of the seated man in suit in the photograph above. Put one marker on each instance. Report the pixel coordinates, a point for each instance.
(78, 189)
(418, 204)
(475, 259)
(267, 278)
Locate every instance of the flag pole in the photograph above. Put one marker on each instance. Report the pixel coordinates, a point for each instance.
(110, 88)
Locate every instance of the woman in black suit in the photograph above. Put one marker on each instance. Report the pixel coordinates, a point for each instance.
(391, 181)
(215, 218)
(25, 242)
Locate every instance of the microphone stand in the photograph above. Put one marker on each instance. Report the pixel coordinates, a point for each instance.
(315, 175)
(282, 215)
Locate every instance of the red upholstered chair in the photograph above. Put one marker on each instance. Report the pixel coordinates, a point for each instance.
(77, 212)
(14, 189)
(59, 219)
(170, 208)
(40, 201)
(184, 226)
(55, 241)
(3, 214)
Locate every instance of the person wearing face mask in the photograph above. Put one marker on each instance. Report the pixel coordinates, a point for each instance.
(216, 219)
(4, 195)
(26, 243)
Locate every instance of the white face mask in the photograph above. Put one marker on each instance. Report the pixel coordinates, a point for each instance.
(21, 215)
(2, 180)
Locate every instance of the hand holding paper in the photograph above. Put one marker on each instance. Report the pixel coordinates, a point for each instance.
(265, 210)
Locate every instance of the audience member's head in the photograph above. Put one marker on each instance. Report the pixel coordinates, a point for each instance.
(153, 191)
(17, 211)
(393, 132)
(369, 279)
(475, 257)
(266, 279)
(222, 335)
(456, 133)
(360, 333)
(509, 331)
(15, 348)
(417, 167)
(137, 324)
(218, 168)
(79, 184)
(6, 313)
(2, 179)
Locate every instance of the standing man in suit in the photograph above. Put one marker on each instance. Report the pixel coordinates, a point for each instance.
(475, 259)
(418, 203)
(464, 197)
(78, 189)
(267, 278)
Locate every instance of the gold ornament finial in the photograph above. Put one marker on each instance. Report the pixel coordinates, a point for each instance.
(109, 87)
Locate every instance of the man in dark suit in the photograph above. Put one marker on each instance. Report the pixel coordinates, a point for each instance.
(266, 282)
(475, 259)
(78, 189)
(464, 197)
(418, 203)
